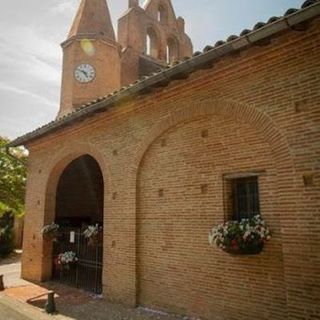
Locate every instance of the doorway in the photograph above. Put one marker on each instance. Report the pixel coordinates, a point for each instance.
(79, 208)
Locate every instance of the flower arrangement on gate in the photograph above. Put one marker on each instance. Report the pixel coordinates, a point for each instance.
(92, 234)
(247, 236)
(50, 231)
(67, 258)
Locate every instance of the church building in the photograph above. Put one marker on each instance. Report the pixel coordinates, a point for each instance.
(155, 144)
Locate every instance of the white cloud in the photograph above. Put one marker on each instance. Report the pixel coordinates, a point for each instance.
(65, 7)
(22, 112)
(30, 79)
(31, 53)
(35, 97)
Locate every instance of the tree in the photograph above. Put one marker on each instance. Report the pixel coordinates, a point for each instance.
(6, 234)
(12, 192)
(12, 179)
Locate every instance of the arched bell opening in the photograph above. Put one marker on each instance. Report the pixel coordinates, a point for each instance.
(152, 44)
(172, 50)
(162, 15)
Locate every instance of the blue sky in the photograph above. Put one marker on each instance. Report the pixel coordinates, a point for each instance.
(30, 55)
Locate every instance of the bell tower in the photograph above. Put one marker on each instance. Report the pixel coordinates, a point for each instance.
(151, 37)
(91, 57)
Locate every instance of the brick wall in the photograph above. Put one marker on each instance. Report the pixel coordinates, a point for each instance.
(177, 270)
(261, 105)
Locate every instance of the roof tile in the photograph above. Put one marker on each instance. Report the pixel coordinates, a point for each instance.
(245, 32)
(273, 19)
(219, 43)
(290, 11)
(259, 25)
(308, 3)
(208, 48)
(232, 37)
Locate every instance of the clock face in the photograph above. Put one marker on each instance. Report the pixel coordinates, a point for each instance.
(84, 73)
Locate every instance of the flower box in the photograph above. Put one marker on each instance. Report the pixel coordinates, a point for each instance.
(93, 235)
(245, 237)
(50, 231)
(67, 260)
(248, 250)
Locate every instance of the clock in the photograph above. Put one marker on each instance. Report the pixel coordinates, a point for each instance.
(84, 73)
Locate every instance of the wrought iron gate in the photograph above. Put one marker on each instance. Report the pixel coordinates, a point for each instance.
(86, 274)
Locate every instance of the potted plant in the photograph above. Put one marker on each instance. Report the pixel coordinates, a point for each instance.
(67, 259)
(92, 234)
(247, 236)
(50, 231)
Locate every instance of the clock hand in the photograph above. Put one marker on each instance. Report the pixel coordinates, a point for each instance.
(84, 73)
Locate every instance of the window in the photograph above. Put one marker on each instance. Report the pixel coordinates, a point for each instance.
(172, 50)
(152, 43)
(162, 15)
(245, 198)
(148, 45)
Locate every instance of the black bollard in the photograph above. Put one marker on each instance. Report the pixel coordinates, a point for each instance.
(1, 283)
(50, 306)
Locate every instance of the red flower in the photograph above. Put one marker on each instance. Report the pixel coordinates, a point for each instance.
(234, 243)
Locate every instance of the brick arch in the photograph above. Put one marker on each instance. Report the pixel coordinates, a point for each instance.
(65, 156)
(270, 133)
(55, 168)
(172, 48)
(163, 11)
(237, 111)
(152, 34)
(152, 7)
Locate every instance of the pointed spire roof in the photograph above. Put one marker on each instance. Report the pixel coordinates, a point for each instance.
(93, 17)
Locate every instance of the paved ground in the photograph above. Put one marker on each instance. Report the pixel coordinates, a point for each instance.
(11, 269)
(23, 300)
(11, 309)
(10, 314)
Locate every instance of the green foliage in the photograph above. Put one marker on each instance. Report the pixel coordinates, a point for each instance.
(12, 180)
(6, 235)
(12, 192)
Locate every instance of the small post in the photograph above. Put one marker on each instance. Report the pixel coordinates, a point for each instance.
(1, 283)
(50, 306)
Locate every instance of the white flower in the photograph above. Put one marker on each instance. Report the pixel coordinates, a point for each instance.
(211, 238)
(68, 257)
(50, 228)
(249, 230)
(91, 231)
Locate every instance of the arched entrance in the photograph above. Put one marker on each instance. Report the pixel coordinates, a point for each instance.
(79, 208)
